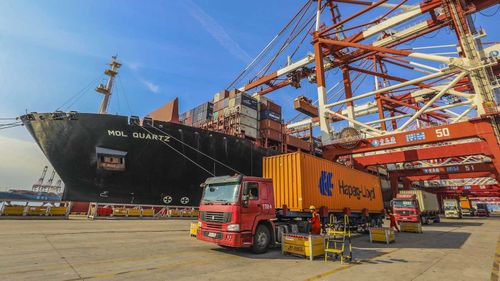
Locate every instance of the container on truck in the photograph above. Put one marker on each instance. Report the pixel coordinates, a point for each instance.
(416, 206)
(466, 206)
(452, 208)
(241, 211)
(482, 210)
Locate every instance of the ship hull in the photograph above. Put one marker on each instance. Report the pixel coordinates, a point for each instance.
(164, 163)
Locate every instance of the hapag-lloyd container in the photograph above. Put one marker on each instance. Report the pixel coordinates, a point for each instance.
(301, 180)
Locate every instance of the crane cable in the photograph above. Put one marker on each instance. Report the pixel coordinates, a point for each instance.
(195, 149)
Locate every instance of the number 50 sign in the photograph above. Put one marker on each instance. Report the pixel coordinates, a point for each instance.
(443, 132)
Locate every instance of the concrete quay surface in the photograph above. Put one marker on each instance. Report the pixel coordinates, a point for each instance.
(79, 249)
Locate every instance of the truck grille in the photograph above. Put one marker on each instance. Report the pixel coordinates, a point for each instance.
(216, 216)
(214, 225)
(404, 212)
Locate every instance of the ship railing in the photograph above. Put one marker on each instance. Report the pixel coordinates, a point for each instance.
(34, 209)
(139, 211)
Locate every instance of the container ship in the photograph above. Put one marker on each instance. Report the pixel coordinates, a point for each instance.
(161, 158)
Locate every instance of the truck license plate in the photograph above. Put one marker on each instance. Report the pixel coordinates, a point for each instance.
(212, 234)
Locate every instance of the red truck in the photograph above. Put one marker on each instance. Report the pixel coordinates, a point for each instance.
(253, 212)
(416, 206)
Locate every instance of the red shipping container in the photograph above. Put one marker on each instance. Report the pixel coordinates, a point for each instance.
(270, 124)
(298, 143)
(269, 105)
(271, 134)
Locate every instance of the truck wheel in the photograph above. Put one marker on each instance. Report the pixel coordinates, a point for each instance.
(427, 220)
(261, 240)
(437, 219)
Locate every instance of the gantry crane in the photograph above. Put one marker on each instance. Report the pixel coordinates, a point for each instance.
(38, 185)
(428, 119)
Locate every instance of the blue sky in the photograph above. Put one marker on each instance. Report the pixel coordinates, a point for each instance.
(50, 50)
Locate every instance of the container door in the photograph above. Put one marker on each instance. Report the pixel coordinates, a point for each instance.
(253, 209)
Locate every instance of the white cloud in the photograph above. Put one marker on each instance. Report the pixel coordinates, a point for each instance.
(151, 86)
(21, 163)
(217, 32)
(133, 65)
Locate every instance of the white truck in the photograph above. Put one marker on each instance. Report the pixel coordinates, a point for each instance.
(452, 208)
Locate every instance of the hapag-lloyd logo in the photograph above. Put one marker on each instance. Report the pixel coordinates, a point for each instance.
(325, 183)
(326, 186)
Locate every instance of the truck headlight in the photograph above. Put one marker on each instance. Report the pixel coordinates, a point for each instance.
(233, 227)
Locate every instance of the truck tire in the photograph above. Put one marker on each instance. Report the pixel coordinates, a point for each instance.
(261, 240)
(437, 219)
(427, 220)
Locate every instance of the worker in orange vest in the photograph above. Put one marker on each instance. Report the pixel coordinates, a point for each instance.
(392, 218)
(315, 221)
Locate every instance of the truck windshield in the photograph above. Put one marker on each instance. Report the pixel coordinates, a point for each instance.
(404, 204)
(450, 208)
(224, 193)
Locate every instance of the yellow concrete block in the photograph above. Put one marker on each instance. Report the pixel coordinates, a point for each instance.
(301, 245)
(119, 212)
(148, 212)
(37, 211)
(134, 212)
(13, 210)
(410, 227)
(58, 211)
(193, 230)
(382, 234)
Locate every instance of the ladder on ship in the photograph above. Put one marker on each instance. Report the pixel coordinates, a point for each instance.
(338, 241)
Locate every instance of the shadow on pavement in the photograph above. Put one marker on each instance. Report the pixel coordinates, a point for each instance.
(430, 239)
(457, 223)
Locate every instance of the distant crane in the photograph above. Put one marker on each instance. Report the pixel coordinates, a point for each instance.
(38, 185)
(56, 188)
(48, 185)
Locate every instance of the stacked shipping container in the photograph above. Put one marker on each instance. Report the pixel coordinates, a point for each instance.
(237, 113)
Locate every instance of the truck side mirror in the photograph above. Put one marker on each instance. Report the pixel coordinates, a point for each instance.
(391, 203)
(244, 200)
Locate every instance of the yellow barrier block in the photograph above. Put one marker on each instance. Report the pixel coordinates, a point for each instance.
(193, 230)
(37, 211)
(148, 212)
(304, 245)
(119, 212)
(13, 210)
(58, 211)
(410, 227)
(134, 212)
(382, 234)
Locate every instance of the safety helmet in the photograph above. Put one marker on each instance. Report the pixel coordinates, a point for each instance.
(312, 207)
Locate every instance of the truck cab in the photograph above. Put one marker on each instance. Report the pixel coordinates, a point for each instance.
(237, 211)
(452, 208)
(405, 208)
(482, 210)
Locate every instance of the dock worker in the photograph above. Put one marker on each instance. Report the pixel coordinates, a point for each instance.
(315, 221)
(392, 218)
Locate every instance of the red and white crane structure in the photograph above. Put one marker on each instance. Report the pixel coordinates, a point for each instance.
(428, 119)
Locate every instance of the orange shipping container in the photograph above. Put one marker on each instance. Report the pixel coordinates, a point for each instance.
(301, 180)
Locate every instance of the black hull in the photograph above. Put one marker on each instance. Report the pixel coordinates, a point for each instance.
(152, 170)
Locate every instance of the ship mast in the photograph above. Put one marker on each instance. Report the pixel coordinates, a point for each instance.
(106, 90)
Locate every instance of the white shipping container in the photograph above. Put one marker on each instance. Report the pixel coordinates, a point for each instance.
(249, 131)
(426, 200)
(248, 121)
(216, 97)
(245, 110)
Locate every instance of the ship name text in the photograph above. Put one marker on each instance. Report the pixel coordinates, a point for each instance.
(137, 135)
